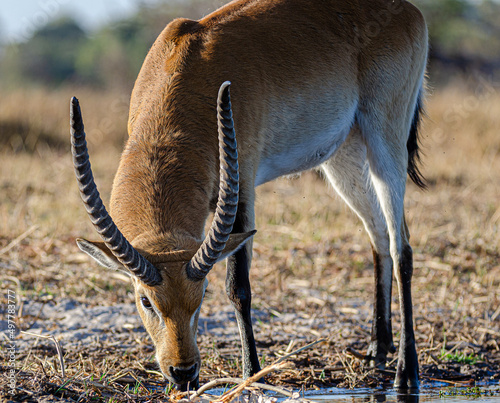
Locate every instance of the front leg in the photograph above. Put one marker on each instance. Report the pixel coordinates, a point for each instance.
(239, 292)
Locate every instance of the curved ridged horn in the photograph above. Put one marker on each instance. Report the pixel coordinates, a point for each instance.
(111, 235)
(227, 204)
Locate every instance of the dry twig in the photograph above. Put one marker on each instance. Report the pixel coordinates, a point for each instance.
(58, 348)
(239, 381)
(277, 365)
(19, 239)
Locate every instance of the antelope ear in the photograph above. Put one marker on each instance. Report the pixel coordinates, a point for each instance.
(235, 242)
(101, 254)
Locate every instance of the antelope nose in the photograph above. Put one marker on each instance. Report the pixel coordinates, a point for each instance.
(183, 375)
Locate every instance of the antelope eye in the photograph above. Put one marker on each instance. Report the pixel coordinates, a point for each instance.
(146, 303)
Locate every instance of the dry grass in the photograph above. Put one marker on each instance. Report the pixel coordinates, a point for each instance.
(33, 118)
(311, 254)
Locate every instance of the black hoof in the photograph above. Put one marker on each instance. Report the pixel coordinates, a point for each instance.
(407, 370)
(407, 378)
(404, 383)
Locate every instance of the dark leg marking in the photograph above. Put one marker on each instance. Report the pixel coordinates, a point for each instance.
(381, 337)
(240, 294)
(407, 371)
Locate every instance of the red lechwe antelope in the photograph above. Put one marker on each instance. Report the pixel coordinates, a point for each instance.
(331, 83)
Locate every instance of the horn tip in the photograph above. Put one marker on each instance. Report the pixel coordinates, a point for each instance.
(75, 107)
(224, 88)
(75, 115)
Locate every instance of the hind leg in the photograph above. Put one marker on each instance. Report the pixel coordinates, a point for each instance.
(348, 172)
(388, 160)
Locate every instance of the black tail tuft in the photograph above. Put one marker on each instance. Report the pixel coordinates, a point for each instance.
(413, 146)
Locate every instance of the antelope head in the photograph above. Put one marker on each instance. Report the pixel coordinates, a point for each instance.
(169, 284)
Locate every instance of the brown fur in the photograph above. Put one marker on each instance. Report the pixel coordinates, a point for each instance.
(172, 126)
(270, 50)
(176, 341)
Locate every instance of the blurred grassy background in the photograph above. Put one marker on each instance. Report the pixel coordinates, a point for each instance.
(464, 36)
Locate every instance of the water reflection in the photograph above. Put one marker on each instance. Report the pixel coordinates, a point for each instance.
(430, 394)
(366, 396)
(401, 397)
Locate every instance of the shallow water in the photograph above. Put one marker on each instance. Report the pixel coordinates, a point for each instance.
(428, 394)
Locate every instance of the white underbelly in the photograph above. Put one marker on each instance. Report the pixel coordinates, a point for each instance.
(302, 144)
